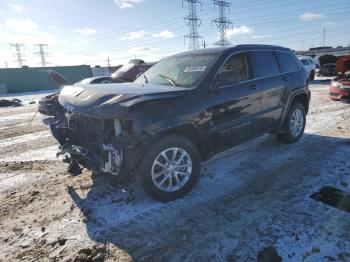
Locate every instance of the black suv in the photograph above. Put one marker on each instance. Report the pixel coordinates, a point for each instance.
(180, 112)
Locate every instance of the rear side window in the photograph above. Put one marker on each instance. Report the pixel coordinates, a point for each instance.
(287, 62)
(265, 64)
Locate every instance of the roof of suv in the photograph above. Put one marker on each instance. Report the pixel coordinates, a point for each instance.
(230, 48)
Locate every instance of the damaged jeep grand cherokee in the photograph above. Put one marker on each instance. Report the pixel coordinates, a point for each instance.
(180, 112)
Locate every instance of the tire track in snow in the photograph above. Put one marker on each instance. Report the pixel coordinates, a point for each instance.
(45, 153)
(24, 138)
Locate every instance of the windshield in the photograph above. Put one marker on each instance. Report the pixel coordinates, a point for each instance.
(182, 71)
(124, 69)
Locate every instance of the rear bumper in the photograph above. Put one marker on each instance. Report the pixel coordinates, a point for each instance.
(339, 93)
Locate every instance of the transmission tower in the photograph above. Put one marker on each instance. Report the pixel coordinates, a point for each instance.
(18, 54)
(42, 53)
(193, 22)
(222, 23)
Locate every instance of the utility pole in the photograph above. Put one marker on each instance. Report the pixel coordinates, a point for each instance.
(204, 44)
(42, 53)
(324, 36)
(6, 65)
(222, 23)
(193, 22)
(108, 62)
(18, 54)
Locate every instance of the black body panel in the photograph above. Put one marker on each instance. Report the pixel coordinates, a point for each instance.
(213, 114)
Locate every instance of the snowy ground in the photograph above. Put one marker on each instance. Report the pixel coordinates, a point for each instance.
(251, 197)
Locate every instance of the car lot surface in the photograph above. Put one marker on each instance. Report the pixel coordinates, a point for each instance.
(251, 197)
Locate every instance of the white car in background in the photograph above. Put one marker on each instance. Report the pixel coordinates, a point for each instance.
(309, 65)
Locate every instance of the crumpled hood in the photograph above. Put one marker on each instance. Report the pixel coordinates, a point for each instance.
(113, 100)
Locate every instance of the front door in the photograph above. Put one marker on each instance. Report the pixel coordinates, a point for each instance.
(235, 103)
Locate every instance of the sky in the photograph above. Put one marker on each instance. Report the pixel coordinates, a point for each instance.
(89, 31)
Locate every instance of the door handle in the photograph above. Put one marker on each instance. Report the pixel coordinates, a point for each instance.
(285, 78)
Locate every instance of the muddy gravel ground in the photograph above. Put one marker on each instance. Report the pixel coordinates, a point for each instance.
(253, 202)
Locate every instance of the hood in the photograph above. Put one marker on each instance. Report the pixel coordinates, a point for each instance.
(113, 100)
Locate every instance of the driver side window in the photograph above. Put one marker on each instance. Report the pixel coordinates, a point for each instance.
(236, 69)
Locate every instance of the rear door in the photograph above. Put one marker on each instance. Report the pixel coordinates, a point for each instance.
(272, 85)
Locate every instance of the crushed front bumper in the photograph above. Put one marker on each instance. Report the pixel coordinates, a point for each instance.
(90, 144)
(336, 93)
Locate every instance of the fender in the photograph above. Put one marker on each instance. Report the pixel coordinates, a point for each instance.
(186, 128)
(290, 99)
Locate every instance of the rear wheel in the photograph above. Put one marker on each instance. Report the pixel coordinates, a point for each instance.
(294, 125)
(170, 168)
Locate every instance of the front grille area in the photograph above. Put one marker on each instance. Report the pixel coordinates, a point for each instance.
(85, 131)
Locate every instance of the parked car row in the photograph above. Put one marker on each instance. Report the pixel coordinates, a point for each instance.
(309, 65)
(180, 112)
(327, 70)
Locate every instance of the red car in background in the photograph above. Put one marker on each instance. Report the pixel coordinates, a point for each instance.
(340, 86)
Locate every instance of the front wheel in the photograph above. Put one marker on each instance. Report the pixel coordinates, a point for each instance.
(294, 125)
(170, 168)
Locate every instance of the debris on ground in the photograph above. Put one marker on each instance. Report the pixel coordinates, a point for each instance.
(269, 254)
(97, 253)
(10, 102)
(333, 197)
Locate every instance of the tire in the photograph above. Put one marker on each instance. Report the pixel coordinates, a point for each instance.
(312, 75)
(175, 183)
(290, 135)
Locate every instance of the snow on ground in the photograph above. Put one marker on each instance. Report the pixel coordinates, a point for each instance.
(46, 153)
(29, 96)
(24, 138)
(250, 197)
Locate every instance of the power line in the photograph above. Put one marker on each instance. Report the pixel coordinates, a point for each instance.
(222, 23)
(160, 24)
(193, 22)
(18, 54)
(42, 53)
(108, 43)
(281, 39)
(111, 46)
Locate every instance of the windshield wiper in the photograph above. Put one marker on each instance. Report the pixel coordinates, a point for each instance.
(146, 79)
(171, 81)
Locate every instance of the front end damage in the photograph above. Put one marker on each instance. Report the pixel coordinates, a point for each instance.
(340, 86)
(340, 89)
(97, 129)
(87, 142)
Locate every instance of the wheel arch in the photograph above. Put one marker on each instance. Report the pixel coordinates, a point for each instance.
(302, 98)
(299, 96)
(188, 131)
